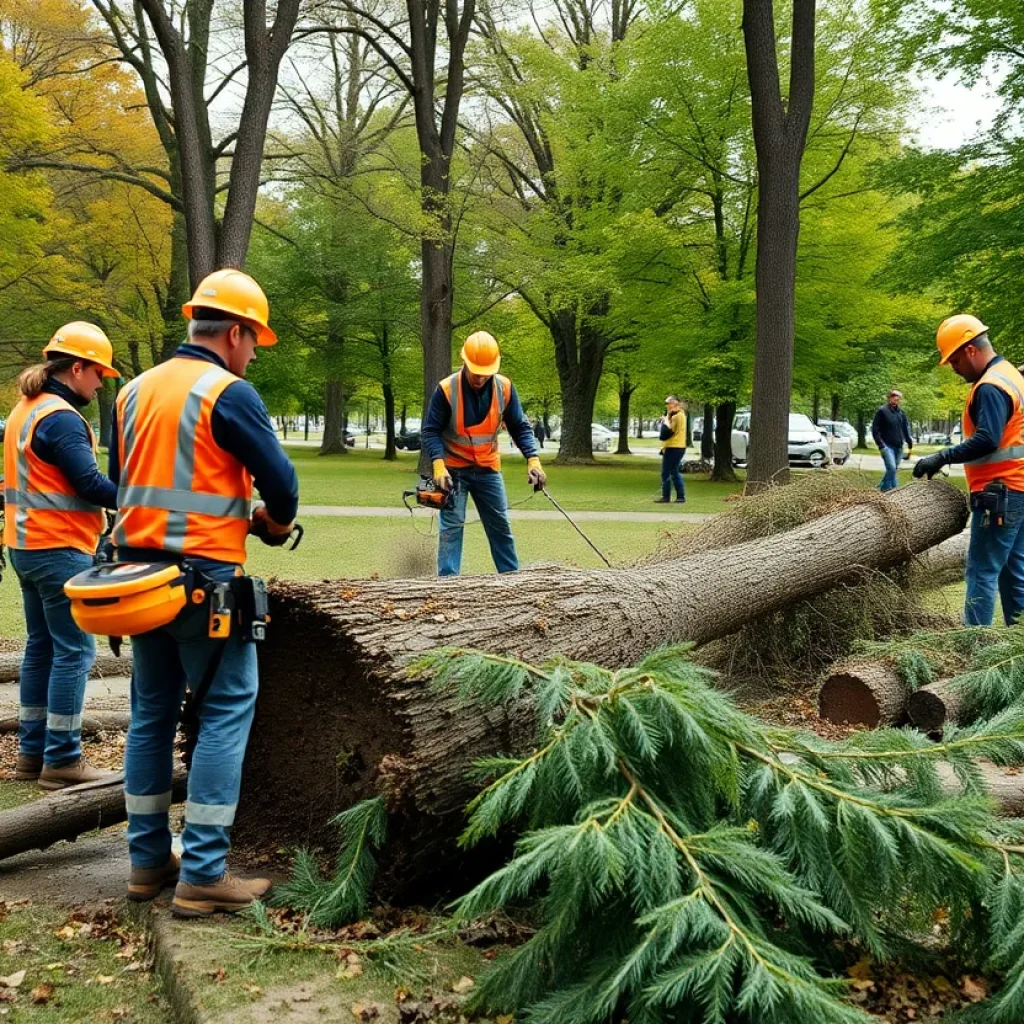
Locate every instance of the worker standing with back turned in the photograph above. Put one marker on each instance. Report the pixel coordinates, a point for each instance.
(55, 495)
(992, 453)
(191, 439)
(460, 435)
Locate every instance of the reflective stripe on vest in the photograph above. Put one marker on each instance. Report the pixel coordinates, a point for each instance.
(479, 443)
(43, 510)
(170, 503)
(1007, 462)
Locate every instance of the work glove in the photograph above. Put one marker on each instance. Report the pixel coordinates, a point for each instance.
(272, 534)
(534, 474)
(929, 465)
(442, 478)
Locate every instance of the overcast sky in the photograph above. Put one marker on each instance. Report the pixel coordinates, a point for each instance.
(954, 114)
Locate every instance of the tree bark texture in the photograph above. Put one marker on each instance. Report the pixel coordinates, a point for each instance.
(339, 720)
(333, 440)
(625, 394)
(106, 665)
(933, 707)
(780, 134)
(707, 437)
(723, 471)
(941, 565)
(863, 692)
(68, 813)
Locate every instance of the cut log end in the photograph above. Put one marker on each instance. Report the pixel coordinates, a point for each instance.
(933, 707)
(863, 693)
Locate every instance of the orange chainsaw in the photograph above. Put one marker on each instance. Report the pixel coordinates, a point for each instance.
(429, 495)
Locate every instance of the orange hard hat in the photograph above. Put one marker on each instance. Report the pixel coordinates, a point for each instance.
(481, 354)
(954, 332)
(84, 341)
(237, 294)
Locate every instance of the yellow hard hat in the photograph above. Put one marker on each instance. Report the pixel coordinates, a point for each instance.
(481, 354)
(84, 341)
(954, 332)
(237, 294)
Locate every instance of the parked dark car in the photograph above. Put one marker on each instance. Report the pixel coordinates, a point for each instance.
(409, 440)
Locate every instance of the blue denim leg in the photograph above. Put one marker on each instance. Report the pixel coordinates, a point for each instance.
(995, 563)
(451, 522)
(69, 654)
(487, 488)
(891, 457)
(671, 459)
(34, 675)
(158, 685)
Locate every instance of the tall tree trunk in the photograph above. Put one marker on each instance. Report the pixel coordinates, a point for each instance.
(862, 429)
(390, 450)
(625, 393)
(414, 743)
(579, 359)
(435, 322)
(177, 293)
(305, 423)
(780, 135)
(104, 402)
(639, 428)
(404, 407)
(816, 405)
(707, 437)
(835, 406)
(333, 440)
(723, 472)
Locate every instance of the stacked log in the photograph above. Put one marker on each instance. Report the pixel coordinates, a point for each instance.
(933, 707)
(863, 692)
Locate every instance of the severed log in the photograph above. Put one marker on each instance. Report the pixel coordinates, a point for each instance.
(1004, 785)
(92, 722)
(339, 720)
(106, 665)
(67, 813)
(935, 706)
(863, 692)
(941, 565)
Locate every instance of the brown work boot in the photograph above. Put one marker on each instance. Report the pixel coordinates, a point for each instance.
(228, 895)
(28, 767)
(73, 774)
(147, 883)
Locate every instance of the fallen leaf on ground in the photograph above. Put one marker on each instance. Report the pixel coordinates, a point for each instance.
(974, 990)
(365, 1011)
(254, 990)
(505, 1018)
(104, 979)
(218, 975)
(861, 969)
(12, 980)
(42, 994)
(463, 985)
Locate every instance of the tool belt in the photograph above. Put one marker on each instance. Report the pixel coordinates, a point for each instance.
(127, 598)
(991, 502)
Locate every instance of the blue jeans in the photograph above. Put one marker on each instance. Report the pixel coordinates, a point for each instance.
(58, 656)
(671, 459)
(995, 562)
(164, 659)
(892, 458)
(488, 491)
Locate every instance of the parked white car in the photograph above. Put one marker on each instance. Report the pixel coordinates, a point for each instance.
(807, 444)
(842, 437)
(601, 438)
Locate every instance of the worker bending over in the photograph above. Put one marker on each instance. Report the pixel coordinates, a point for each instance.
(992, 453)
(191, 439)
(460, 436)
(55, 495)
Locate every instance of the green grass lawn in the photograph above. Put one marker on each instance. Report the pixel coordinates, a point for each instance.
(617, 483)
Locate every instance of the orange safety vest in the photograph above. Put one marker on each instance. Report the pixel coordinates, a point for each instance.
(477, 445)
(180, 491)
(43, 509)
(1007, 462)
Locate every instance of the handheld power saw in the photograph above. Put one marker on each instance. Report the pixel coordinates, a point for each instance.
(429, 495)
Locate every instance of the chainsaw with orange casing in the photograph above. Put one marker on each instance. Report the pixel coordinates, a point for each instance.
(429, 495)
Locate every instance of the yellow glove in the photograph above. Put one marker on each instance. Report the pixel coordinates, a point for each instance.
(534, 474)
(442, 478)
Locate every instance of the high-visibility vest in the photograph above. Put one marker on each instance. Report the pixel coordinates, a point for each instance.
(1007, 462)
(179, 490)
(43, 510)
(477, 445)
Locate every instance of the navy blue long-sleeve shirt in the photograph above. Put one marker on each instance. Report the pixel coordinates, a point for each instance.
(991, 409)
(890, 428)
(476, 405)
(241, 426)
(62, 440)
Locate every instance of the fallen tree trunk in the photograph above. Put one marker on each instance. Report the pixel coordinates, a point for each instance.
(68, 813)
(1004, 785)
(338, 719)
(863, 692)
(933, 707)
(92, 722)
(106, 665)
(941, 565)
